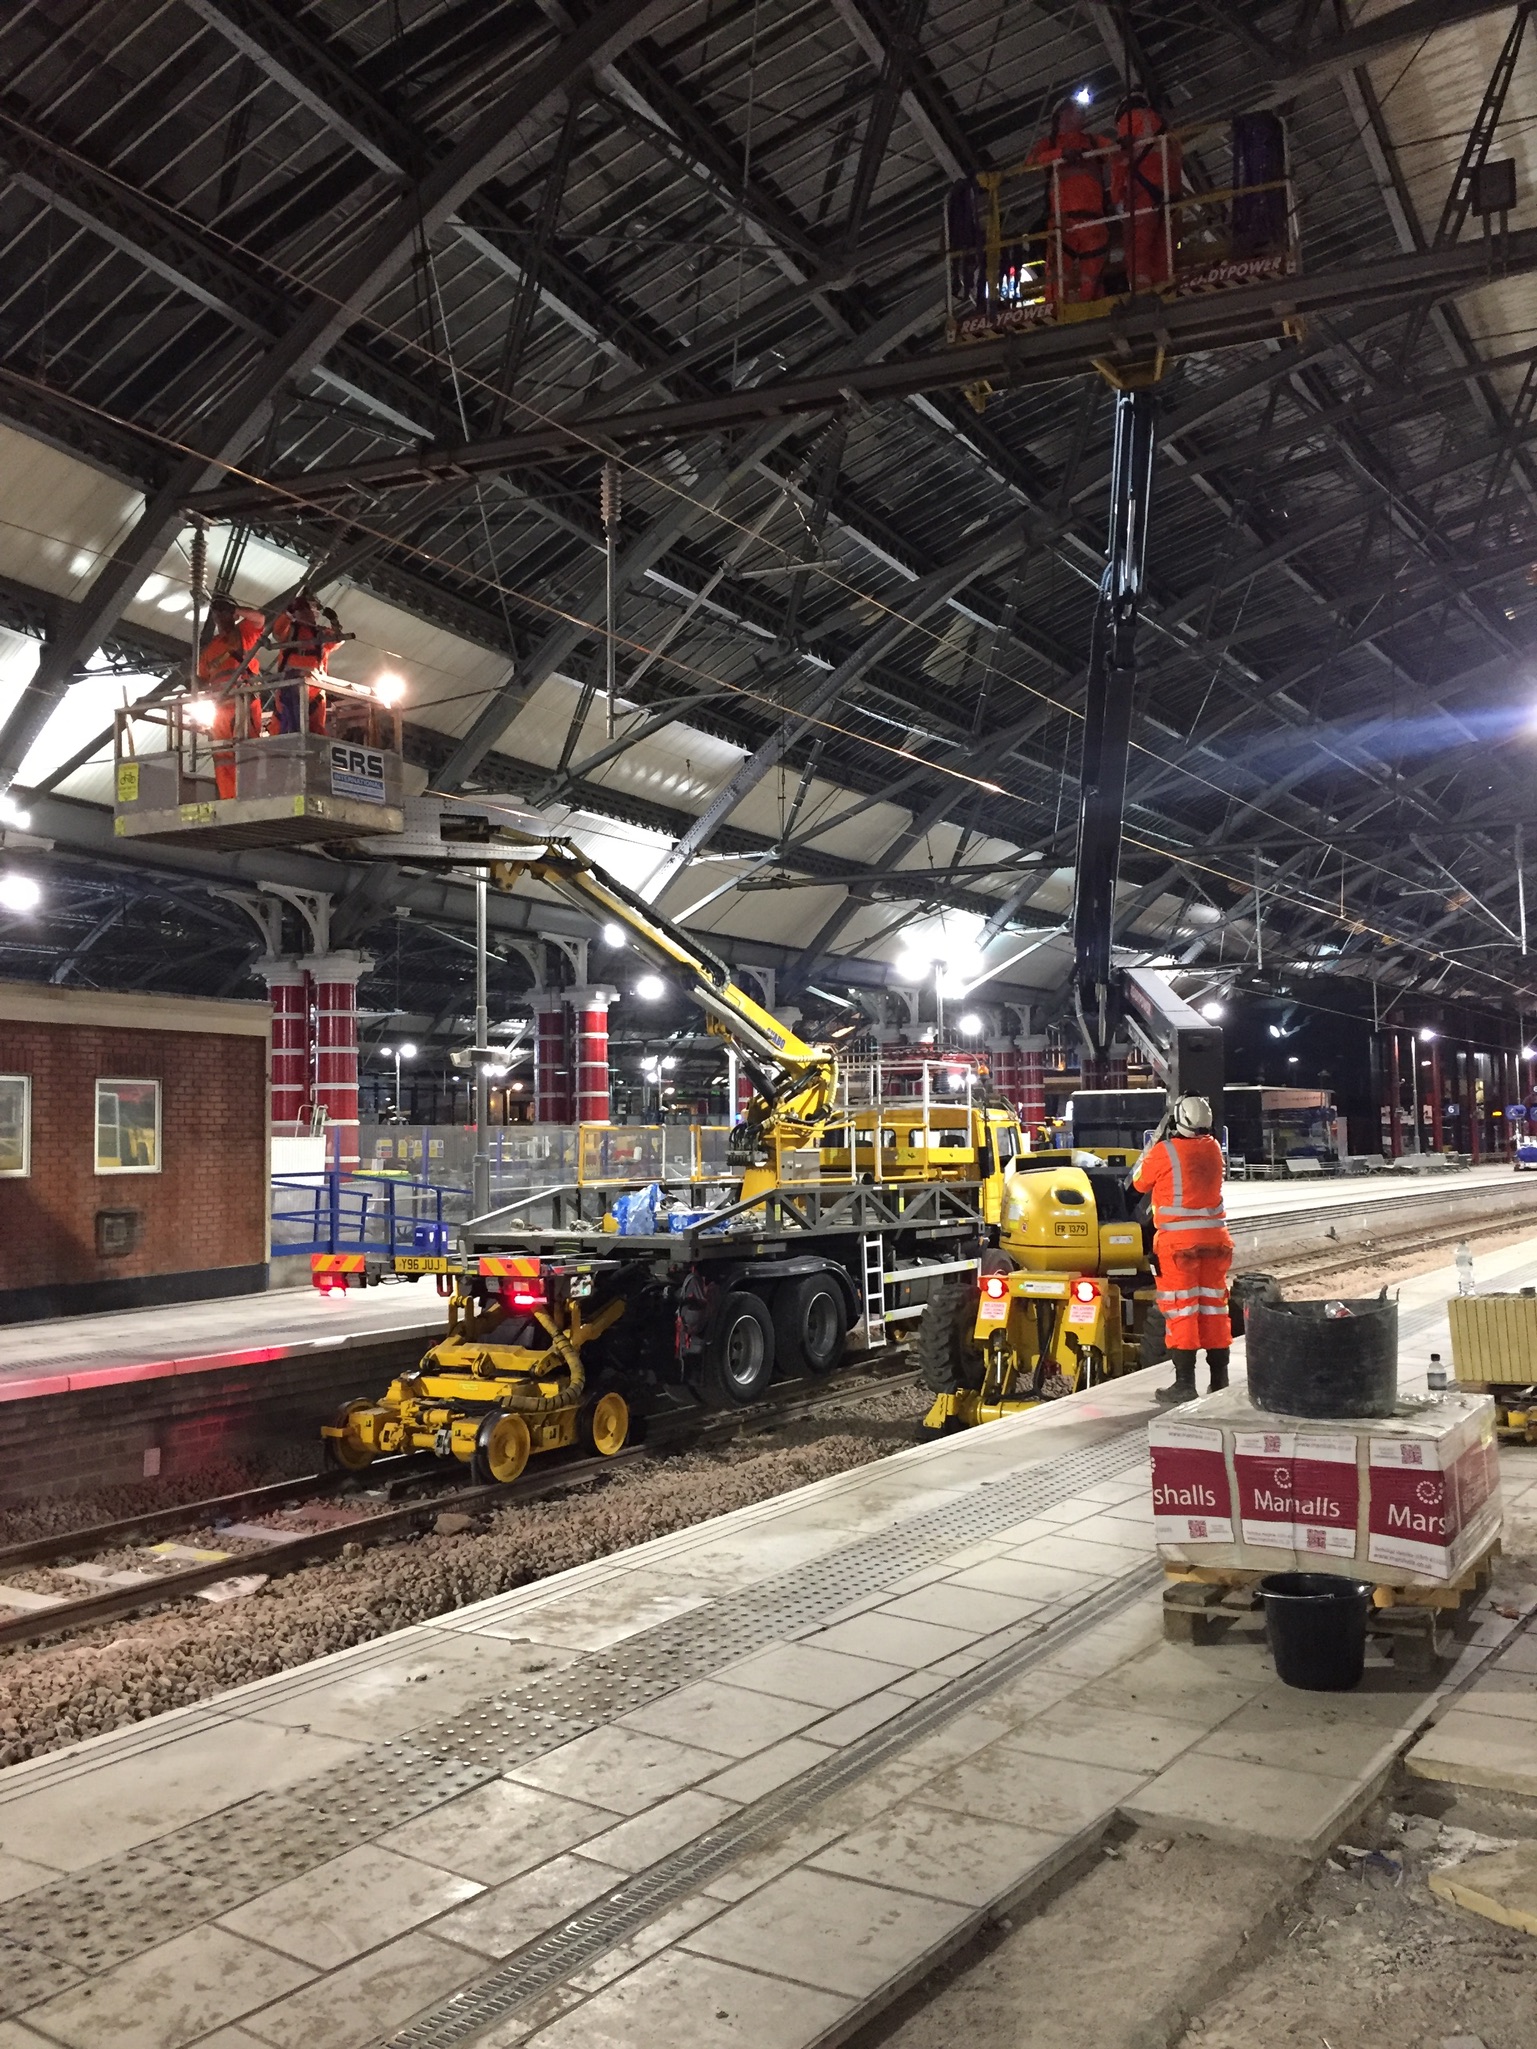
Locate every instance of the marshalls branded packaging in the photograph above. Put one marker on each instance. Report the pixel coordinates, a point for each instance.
(1403, 1500)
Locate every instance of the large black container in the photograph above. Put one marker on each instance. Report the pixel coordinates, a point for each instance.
(1317, 1629)
(1304, 1363)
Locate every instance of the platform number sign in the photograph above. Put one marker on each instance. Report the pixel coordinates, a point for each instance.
(357, 772)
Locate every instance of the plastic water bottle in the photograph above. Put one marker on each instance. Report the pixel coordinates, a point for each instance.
(1334, 1311)
(1435, 1376)
(1464, 1269)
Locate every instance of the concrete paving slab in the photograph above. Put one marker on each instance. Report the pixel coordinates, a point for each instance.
(498, 1830)
(697, 2002)
(1470, 1749)
(645, 1839)
(768, 1770)
(1503, 1692)
(809, 1671)
(793, 1845)
(21, 1874)
(732, 1720)
(502, 1918)
(436, 1674)
(836, 1934)
(1058, 1796)
(368, 1998)
(894, 1640)
(934, 1853)
(1126, 1742)
(600, 1617)
(1231, 1801)
(959, 1607)
(354, 1903)
(171, 1994)
(1028, 1578)
(624, 1770)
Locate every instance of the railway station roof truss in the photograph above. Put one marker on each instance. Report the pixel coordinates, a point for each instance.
(380, 287)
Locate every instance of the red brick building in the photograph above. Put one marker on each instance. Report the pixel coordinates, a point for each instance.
(133, 1149)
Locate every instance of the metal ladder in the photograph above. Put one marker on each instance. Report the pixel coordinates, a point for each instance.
(875, 1292)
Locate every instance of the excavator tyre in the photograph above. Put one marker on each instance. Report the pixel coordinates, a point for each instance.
(945, 1352)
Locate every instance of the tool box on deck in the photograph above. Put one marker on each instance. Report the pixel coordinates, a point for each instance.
(1402, 1500)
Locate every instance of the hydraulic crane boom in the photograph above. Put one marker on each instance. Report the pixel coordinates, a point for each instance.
(796, 1083)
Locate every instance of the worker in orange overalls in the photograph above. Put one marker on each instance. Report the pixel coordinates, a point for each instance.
(1145, 175)
(224, 662)
(1182, 1172)
(304, 636)
(1080, 230)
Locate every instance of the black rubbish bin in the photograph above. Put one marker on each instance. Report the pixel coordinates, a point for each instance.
(1304, 1362)
(1317, 1629)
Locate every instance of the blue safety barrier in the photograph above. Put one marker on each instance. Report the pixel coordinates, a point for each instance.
(347, 1212)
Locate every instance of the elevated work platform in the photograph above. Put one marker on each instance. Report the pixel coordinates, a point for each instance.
(741, 1785)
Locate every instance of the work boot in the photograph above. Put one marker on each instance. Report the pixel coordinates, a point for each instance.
(1216, 1369)
(1183, 1388)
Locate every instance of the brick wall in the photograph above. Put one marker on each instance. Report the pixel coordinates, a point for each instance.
(206, 1208)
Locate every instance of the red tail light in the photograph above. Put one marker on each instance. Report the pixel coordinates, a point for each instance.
(994, 1286)
(1085, 1291)
(528, 1295)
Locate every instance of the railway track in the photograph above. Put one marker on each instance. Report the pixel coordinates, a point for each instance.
(278, 1555)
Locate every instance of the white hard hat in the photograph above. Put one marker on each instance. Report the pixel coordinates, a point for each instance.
(1192, 1114)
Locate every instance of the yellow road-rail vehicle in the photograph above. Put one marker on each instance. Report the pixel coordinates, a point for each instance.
(846, 1219)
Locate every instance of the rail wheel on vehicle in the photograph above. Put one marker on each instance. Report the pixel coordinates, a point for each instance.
(603, 1426)
(738, 1361)
(350, 1451)
(501, 1449)
(811, 1322)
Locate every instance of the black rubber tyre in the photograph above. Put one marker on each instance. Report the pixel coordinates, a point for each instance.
(738, 1361)
(1153, 1345)
(811, 1323)
(947, 1356)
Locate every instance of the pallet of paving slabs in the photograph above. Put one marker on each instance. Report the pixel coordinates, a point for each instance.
(1494, 1339)
(1417, 1625)
(1410, 1499)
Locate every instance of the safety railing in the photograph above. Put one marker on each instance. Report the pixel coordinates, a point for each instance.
(338, 1211)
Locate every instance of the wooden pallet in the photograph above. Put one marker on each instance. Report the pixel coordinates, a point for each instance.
(1417, 1624)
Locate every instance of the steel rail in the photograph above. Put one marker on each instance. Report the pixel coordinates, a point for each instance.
(277, 1560)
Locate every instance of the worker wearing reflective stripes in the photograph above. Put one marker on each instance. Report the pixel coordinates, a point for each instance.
(225, 662)
(1183, 1174)
(1144, 178)
(1073, 157)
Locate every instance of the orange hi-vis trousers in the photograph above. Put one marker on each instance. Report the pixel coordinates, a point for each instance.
(1192, 1293)
(1184, 1178)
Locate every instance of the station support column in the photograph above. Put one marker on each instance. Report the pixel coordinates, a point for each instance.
(1437, 1139)
(335, 978)
(1395, 1099)
(1032, 1082)
(587, 1037)
(288, 987)
(552, 1073)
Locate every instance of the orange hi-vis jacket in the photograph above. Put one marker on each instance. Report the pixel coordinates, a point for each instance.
(304, 644)
(1184, 1178)
(225, 654)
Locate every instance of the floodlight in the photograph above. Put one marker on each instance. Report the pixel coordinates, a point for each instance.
(650, 988)
(19, 893)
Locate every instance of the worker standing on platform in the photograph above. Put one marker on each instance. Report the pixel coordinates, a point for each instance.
(1182, 1172)
(225, 663)
(304, 636)
(1077, 208)
(1145, 177)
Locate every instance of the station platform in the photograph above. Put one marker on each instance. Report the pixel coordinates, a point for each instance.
(742, 1785)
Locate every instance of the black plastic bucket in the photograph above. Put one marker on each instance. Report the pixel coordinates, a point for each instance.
(1317, 1629)
(1305, 1363)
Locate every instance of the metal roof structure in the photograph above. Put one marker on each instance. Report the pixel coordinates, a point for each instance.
(381, 286)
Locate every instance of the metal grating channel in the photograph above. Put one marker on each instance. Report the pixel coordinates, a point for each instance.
(144, 1896)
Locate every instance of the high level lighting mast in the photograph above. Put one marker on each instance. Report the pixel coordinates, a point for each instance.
(1007, 275)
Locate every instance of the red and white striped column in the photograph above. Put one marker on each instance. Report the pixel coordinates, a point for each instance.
(334, 978)
(1032, 1082)
(288, 987)
(587, 1037)
(552, 1073)
(1003, 1068)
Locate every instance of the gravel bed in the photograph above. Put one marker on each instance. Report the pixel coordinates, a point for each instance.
(54, 1694)
(21, 1522)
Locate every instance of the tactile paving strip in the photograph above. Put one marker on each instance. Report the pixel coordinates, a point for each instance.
(129, 1902)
